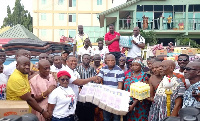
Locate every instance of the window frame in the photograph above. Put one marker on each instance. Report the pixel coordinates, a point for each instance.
(43, 16)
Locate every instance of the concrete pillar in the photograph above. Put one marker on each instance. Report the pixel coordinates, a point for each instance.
(186, 19)
(105, 27)
(117, 23)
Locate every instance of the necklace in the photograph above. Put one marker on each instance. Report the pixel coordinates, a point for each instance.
(64, 91)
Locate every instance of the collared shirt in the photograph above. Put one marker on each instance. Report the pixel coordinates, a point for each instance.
(102, 52)
(111, 77)
(114, 47)
(74, 75)
(17, 85)
(78, 40)
(3, 83)
(83, 51)
(187, 82)
(38, 86)
(135, 51)
(54, 69)
(188, 99)
(86, 73)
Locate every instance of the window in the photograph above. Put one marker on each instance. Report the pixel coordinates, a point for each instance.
(158, 7)
(168, 8)
(148, 7)
(43, 32)
(60, 2)
(139, 7)
(99, 2)
(61, 32)
(43, 16)
(61, 16)
(72, 3)
(72, 33)
(44, 2)
(72, 18)
(178, 8)
(196, 8)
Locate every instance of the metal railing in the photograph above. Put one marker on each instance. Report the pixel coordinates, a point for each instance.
(194, 24)
(125, 24)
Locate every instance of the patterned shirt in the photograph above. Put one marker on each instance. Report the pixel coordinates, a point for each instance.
(188, 99)
(85, 73)
(112, 77)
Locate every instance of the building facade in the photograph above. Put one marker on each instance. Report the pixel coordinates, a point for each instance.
(167, 18)
(54, 18)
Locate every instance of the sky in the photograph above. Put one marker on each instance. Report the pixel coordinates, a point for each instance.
(28, 6)
(3, 7)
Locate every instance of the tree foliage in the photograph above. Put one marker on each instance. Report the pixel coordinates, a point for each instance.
(184, 41)
(150, 37)
(18, 16)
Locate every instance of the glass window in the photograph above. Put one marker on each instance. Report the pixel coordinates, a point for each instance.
(158, 7)
(196, 8)
(60, 2)
(139, 16)
(72, 3)
(43, 16)
(178, 8)
(61, 16)
(72, 18)
(139, 7)
(99, 2)
(44, 2)
(61, 32)
(43, 32)
(190, 14)
(168, 7)
(166, 14)
(149, 14)
(148, 7)
(72, 33)
(191, 7)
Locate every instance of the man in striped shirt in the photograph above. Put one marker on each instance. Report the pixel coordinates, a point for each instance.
(112, 76)
(85, 111)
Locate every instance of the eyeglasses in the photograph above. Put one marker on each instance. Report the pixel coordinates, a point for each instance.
(122, 60)
(182, 59)
(188, 68)
(63, 80)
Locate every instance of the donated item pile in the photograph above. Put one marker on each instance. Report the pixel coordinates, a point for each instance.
(140, 90)
(113, 100)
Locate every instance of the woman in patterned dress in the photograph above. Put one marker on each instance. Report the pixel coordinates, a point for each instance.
(138, 111)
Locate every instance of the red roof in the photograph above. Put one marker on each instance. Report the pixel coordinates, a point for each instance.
(5, 40)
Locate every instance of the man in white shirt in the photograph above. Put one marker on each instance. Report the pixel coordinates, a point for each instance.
(86, 49)
(57, 64)
(183, 60)
(79, 39)
(102, 51)
(138, 43)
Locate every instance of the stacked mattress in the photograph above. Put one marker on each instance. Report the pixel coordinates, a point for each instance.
(35, 46)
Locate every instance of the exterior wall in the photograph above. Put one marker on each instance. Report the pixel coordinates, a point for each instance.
(86, 14)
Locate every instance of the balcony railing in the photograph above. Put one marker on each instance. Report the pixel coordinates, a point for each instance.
(160, 24)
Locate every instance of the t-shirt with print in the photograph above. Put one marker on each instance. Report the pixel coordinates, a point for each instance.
(102, 52)
(135, 51)
(3, 83)
(64, 100)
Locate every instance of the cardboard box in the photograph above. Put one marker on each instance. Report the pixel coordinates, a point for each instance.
(190, 51)
(184, 52)
(8, 107)
(161, 52)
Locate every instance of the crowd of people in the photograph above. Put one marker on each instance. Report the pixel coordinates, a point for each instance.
(51, 86)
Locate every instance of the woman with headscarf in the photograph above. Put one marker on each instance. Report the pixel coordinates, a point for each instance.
(62, 100)
(138, 110)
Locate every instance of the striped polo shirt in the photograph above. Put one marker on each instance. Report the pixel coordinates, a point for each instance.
(111, 77)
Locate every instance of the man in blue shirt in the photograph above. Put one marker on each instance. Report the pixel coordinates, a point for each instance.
(112, 76)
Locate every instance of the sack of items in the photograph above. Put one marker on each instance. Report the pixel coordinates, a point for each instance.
(115, 101)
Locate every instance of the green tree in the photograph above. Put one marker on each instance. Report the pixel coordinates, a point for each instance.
(18, 16)
(150, 37)
(184, 41)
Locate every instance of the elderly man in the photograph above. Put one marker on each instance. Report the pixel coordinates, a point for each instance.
(57, 64)
(158, 110)
(18, 87)
(112, 41)
(79, 39)
(183, 60)
(42, 85)
(192, 72)
(138, 43)
(85, 111)
(112, 76)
